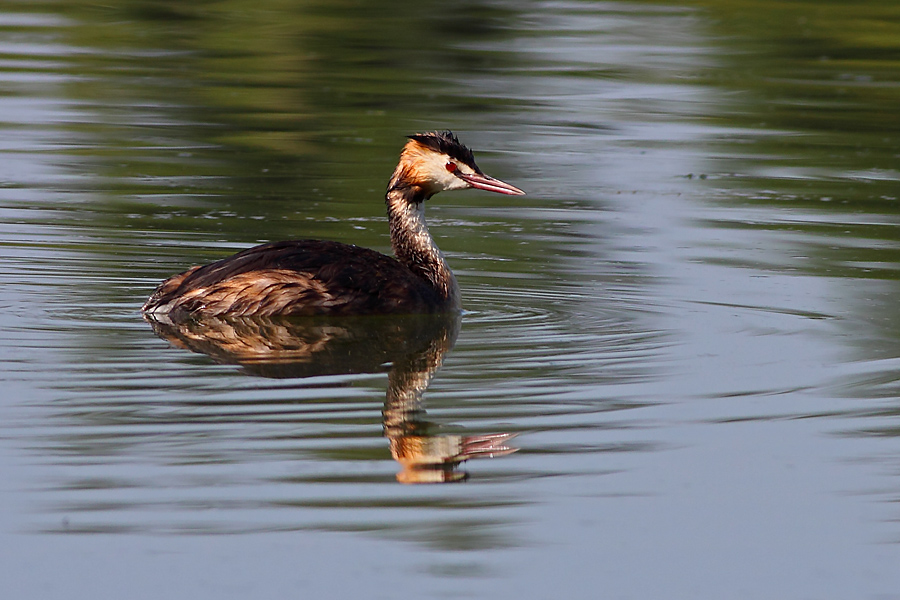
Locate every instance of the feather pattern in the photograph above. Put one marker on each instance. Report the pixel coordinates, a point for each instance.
(308, 277)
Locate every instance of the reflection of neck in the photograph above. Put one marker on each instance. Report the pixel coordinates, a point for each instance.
(403, 413)
(413, 245)
(409, 378)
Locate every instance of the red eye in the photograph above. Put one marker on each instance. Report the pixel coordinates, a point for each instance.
(451, 167)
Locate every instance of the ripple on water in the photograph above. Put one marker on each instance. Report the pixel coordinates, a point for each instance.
(141, 437)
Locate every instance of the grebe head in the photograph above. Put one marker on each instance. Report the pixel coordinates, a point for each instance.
(437, 161)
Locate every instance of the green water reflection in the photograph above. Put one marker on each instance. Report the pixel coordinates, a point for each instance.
(815, 86)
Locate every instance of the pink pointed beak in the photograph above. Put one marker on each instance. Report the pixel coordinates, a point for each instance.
(483, 182)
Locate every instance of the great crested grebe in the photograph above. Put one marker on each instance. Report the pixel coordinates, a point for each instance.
(313, 277)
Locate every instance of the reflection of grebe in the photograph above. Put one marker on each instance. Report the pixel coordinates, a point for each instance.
(410, 347)
(312, 277)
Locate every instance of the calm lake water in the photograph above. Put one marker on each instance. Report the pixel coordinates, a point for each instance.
(690, 322)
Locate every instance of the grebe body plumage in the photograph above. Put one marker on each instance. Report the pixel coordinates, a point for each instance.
(313, 277)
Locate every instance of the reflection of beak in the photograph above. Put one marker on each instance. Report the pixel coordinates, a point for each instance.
(483, 182)
(435, 459)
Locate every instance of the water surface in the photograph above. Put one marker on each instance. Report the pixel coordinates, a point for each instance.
(689, 321)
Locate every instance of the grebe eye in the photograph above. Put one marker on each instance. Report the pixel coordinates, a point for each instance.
(450, 166)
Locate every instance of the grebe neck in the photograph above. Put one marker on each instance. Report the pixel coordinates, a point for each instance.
(413, 245)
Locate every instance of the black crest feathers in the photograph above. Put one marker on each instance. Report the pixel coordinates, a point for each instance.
(446, 143)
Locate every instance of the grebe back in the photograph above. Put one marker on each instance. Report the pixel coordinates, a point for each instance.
(312, 277)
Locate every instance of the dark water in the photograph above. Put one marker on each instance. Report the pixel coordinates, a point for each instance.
(690, 321)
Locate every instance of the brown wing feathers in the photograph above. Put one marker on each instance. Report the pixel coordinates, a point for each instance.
(297, 277)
